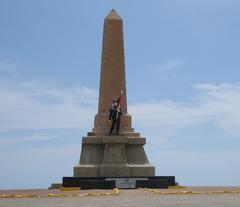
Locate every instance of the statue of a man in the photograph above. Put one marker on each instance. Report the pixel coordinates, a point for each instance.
(115, 114)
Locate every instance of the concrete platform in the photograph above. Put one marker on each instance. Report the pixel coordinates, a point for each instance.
(113, 156)
(160, 182)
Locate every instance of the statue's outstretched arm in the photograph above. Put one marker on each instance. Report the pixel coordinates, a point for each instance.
(119, 98)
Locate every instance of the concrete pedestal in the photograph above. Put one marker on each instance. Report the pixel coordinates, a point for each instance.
(113, 156)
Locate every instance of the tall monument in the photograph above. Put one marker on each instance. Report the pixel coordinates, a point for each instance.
(113, 156)
(112, 78)
(109, 161)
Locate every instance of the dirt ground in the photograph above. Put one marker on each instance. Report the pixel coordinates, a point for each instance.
(202, 189)
(184, 197)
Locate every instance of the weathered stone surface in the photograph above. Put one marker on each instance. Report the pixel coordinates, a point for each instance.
(113, 156)
(91, 153)
(136, 154)
(115, 171)
(112, 78)
(82, 170)
(142, 170)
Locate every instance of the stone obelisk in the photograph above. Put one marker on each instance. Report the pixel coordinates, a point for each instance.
(113, 156)
(112, 78)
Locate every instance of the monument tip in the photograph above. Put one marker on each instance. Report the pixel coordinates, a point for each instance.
(113, 15)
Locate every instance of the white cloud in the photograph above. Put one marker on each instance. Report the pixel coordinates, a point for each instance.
(30, 106)
(162, 71)
(35, 137)
(33, 107)
(216, 104)
(170, 65)
(167, 66)
(75, 94)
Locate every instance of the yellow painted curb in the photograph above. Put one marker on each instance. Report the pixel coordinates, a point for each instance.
(176, 187)
(156, 191)
(114, 192)
(69, 188)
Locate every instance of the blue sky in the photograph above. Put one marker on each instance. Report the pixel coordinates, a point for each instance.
(182, 68)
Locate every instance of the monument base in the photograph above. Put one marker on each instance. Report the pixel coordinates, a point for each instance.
(113, 156)
(107, 162)
(119, 182)
(113, 170)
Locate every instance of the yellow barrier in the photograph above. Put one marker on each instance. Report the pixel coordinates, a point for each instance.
(69, 188)
(157, 191)
(114, 192)
(176, 187)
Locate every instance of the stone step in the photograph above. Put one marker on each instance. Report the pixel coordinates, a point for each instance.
(128, 134)
(113, 139)
(119, 182)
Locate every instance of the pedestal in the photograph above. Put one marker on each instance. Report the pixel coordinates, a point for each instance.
(113, 156)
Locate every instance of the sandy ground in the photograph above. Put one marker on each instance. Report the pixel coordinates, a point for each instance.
(209, 196)
(201, 189)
